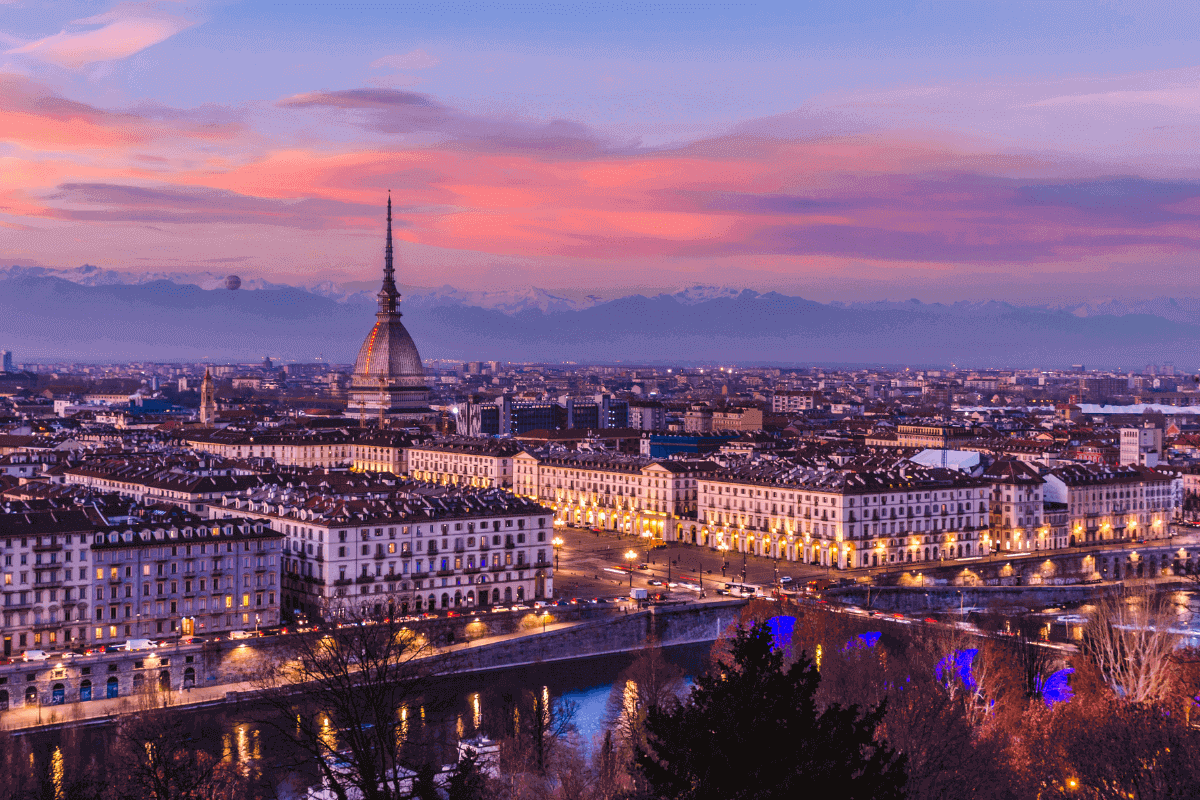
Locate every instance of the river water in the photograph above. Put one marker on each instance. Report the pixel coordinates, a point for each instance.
(456, 707)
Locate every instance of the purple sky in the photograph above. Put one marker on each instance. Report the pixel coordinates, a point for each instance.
(1022, 151)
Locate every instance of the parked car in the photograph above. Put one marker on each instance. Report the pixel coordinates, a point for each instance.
(35, 655)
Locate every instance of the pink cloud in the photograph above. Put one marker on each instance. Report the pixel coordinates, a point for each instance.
(126, 29)
(479, 187)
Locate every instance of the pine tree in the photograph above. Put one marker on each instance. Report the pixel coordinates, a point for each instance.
(751, 730)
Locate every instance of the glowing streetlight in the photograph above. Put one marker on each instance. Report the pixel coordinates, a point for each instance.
(631, 557)
(557, 541)
(724, 548)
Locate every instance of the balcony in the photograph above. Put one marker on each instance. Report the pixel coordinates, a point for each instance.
(498, 568)
(365, 579)
(442, 573)
(342, 582)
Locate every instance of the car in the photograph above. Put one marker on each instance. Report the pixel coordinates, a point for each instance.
(643, 566)
(563, 602)
(35, 655)
(191, 640)
(785, 579)
(654, 582)
(240, 634)
(67, 656)
(600, 601)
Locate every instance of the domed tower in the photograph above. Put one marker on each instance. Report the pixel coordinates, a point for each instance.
(388, 377)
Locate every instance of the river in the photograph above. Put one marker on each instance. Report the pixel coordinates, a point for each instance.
(456, 707)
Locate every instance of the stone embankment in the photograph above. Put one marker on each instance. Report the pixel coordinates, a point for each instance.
(218, 671)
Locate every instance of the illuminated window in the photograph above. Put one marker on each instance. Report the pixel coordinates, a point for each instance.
(245, 600)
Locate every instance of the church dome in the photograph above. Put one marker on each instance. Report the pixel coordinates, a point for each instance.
(389, 352)
(388, 375)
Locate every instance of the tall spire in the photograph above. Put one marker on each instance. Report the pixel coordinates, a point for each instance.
(388, 295)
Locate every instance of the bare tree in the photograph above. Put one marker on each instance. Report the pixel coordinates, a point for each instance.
(158, 760)
(345, 695)
(1130, 640)
(650, 683)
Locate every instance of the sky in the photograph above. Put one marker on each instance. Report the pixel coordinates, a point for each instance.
(1023, 151)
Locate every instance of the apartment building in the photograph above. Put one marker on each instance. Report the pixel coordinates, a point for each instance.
(1130, 503)
(627, 493)
(477, 462)
(375, 450)
(793, 402)
(844, 519)
(146, 479)
(1017, 512)
(45, 579)
(207, 577)
(405, 548)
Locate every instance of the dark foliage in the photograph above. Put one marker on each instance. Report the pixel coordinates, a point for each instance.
(751, 730)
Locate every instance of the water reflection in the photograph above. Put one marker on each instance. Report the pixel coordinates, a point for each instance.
(455, 708)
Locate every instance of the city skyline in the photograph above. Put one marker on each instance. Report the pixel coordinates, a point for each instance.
(1026, 153)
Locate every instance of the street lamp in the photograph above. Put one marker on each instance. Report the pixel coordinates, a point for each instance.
(557, 541)
(646, 536)
(724, 548)
(631, 557)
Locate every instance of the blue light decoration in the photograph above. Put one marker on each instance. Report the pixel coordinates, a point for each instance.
(958, 665)
(863, 641)
(781, 628)
(1057, 688)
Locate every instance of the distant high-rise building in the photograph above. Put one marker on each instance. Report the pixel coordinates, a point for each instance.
(6, 361)
(1141, 445)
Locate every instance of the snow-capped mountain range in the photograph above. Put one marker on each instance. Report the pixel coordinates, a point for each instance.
(516, 301)
(90, 313)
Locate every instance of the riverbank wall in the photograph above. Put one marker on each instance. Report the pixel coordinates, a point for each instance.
(913, 599)
(217, 672)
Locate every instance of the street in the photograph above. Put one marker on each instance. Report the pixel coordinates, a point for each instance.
(585, 555)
